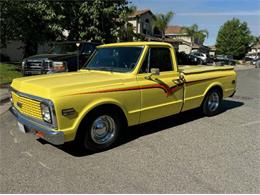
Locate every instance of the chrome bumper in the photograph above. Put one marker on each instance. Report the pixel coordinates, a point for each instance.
(46, 133)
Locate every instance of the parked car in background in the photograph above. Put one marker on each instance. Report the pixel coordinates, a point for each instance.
(62, 57)
(202, 57)
(256, 62)
(186, 59)
(224, 60)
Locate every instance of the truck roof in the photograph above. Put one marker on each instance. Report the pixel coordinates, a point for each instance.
(137, 43)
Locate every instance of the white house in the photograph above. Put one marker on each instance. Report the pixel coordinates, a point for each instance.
(142, 22)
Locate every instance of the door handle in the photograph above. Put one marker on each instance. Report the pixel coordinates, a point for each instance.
(178, 81)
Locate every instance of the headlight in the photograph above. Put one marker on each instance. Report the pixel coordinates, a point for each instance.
(59, 66)
(46, 113)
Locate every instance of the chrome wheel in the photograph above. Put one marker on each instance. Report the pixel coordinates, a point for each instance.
(213, 101)
(103, 129)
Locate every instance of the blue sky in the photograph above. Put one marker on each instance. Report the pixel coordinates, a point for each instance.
(208, 14)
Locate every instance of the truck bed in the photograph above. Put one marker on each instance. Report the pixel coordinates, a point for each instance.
(190, 69)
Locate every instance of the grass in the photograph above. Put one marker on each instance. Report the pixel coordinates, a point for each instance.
(8, 72)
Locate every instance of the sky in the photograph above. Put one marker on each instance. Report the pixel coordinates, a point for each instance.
(208, 14)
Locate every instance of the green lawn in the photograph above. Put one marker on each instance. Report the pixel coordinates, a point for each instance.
(8, 72)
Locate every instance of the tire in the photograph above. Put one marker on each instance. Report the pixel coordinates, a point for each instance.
(200, 62)
(212, 103)
(99, 131)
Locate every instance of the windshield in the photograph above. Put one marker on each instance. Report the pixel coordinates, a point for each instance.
(63, 48)
(118, 59)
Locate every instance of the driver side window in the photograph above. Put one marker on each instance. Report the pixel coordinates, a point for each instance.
(157, 58)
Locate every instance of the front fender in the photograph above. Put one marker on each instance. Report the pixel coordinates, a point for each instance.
(96, 103)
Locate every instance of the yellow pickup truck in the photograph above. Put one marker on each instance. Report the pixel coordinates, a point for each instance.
(122, 84)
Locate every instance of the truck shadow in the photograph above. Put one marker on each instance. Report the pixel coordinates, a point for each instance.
(148, 128)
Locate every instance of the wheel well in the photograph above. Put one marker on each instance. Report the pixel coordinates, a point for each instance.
(109, 107)
(217, 87)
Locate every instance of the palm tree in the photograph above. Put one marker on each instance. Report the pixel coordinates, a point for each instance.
(161, 21)
(194, 32)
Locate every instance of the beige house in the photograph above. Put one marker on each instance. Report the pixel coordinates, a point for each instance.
(176, 33)
(255, 50)
(142, 22)
(212, 51)
(184, 40)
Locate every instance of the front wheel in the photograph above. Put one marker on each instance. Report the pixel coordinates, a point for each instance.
(212, 103)
(100, 131)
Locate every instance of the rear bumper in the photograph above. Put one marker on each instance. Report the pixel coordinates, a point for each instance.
(53, 136)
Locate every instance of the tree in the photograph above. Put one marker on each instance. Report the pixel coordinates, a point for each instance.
(196, 35)
(161, 21)
(31, 22)
(256, 40)
(100, 19)
(37, 21)
(126, 32)
(234, 38)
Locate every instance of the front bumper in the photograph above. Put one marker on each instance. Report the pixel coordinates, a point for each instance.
(45, 132)
(233, 94)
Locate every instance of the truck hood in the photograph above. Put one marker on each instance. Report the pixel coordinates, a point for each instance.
(60, 84)
(51, 56)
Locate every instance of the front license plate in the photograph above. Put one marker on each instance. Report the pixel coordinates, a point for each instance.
(21, 127)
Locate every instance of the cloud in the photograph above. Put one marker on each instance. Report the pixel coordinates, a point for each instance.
(234, 13)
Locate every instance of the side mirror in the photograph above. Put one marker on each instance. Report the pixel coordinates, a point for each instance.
(154, 71)
(182, 76)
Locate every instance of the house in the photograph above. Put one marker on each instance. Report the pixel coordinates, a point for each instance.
(177, 33)
(185, 41)
(212, 51)
(254, 50)
(141, 21)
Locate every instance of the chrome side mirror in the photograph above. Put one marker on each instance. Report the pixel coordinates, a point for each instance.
(154, 71)
(182, 76)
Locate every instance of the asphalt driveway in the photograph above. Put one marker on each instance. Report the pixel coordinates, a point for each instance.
(187, 153)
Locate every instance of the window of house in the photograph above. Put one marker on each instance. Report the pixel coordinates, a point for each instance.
(147, 21)
(157, 58)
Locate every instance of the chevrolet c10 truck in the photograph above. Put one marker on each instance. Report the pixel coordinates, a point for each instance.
(123, 84)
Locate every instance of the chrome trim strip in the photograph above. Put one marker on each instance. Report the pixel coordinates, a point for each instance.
(50, 135)
(39, 99)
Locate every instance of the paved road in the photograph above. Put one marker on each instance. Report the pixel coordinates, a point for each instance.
(187, 153)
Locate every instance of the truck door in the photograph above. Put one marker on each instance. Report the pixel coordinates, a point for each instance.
(161, 95)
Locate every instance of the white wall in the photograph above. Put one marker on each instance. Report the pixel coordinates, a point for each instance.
(185, 48)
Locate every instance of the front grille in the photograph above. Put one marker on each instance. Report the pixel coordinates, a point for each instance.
(27, 106)
(34, 64)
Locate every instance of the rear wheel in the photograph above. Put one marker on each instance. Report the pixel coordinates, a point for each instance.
(212, 103)
(100, 131)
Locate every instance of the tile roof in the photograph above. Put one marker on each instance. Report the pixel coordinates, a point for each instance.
(140, 12)
(174, 30)
(256, 46)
